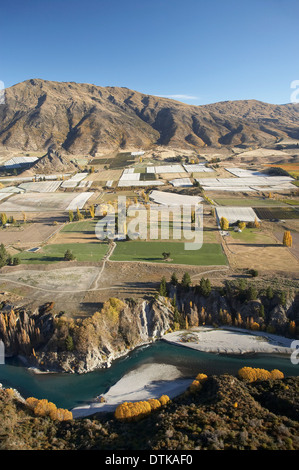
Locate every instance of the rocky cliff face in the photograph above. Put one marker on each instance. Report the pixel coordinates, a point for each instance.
(62, 344)
(56, 343)
(22, 332)
(83, 118)
(107, 339)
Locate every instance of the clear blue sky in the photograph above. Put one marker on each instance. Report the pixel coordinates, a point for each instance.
(210, 50)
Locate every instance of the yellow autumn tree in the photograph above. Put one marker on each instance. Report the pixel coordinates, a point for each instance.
(197, 383)
(292, 328)
(164, 399)
(250, 374)
(254, 326)
(262, 374)
(31, 402)
(122, 412)
(136, 410)
(60, 414)
(224, 223)
(276, 374)
(256, 223)
(287, 239)
(92, 211)
(201, 377)
(194, 386)
(154, 403)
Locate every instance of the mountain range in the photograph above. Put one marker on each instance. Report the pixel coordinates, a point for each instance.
(84, 119)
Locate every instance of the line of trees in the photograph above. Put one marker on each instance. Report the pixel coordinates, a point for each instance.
(236, 293)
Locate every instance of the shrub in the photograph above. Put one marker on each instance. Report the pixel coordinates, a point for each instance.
(68, 256)
(194, 387)
(197, 383)
(201, 377)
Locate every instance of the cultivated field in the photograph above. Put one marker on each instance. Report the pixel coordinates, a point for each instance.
(276, 213)
(76, 232)
(55, 252)
(29, 234)
(210, 254)
(260, 250)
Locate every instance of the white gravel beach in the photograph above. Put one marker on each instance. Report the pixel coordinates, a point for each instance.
(147, 381)
(230, 340)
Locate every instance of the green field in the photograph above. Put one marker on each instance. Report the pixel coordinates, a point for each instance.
(53, 253)
(291, 202)
(84, 226)
(251, 235)
(247, 202)
(210, 254)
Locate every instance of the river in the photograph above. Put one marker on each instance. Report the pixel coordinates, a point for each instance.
(71, 390)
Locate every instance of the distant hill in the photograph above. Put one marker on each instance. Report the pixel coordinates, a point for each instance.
(83, 118)
(53, 162)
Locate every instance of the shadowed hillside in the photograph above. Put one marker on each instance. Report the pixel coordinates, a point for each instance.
(83, 118)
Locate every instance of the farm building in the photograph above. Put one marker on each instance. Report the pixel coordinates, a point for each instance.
(169, 169)
(136, 154)
(181, 182)
(74, 180)
(172, 199)
(19, 162)
(198, 168)
(128, 183)
(252, 183)
(235, 214)
(40, 186)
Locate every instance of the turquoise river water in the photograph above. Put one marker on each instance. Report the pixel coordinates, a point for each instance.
(70, 390)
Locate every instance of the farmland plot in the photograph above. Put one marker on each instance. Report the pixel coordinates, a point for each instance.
(276, 213)
(44, 202)
(41, 186)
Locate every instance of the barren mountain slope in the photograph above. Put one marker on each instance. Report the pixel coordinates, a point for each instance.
(82, 118)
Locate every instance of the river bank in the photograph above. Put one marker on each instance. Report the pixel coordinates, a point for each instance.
(230, 340)
(147, 381)
(154, 380)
